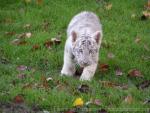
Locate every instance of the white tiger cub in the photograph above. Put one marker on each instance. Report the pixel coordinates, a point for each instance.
(82, 45)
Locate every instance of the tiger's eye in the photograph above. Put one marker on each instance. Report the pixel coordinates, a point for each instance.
(90, 51)
(80, 50)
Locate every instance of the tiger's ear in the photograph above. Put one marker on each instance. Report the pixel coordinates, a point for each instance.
(97, 36)
(74, 36)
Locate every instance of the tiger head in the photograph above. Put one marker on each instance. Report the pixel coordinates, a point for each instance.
(86, 48)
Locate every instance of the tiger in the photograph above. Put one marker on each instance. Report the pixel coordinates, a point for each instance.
(84, 36)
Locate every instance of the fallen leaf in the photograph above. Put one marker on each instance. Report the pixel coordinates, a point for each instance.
(108, 6)
(104, 67)
(10, 33)
(48, 44)
(128, 99)
(110, 55)
(56, 41)
(134, 73)
(96, 102)
(24, 35)
(102, 111)
(114, 85)
(35, 47)
(27, 86)
(18, 42)
(84, 88)
(49, 78)
(146, 47)
(22, 76)
(78, 102)
(22, 68)
(144, 84)
(137, 40)
(118, 72)
(18, 99)
(108, 84)
(39, 2)
(28, 35)
(44, 82)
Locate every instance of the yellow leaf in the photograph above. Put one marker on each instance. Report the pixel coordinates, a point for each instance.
(108, 6)
(78, 102)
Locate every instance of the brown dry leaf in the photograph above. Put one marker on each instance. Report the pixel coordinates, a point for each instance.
(44, 82)
(118, 72)
(137, 40)
(128, 99)
(60, 87)
(35, 47)
(114, 85)
(22, 76)
(27, 86)
(25, 35)
(22, 68)
(48, 44)
(10, 33)
(108, 84)
(18, 99)
(146, 47)
(96, 102)
(22, 35)
(18, 42)
(134, 73)
(103, 67)
(39, 2)
(108, 6)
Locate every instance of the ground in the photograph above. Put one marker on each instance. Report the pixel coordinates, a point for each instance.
(26, 64)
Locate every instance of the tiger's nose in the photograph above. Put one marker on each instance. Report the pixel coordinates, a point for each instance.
(85, 63)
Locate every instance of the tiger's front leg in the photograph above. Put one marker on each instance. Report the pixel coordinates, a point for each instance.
(69, 65)
(88, 72)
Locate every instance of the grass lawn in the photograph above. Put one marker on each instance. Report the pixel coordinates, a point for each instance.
(125, 35)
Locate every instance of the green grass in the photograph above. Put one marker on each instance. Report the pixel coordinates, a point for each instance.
(119, 29)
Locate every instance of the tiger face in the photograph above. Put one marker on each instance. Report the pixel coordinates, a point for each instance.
(85, 51)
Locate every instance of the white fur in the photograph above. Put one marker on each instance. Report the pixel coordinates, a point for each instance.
(86, 23)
